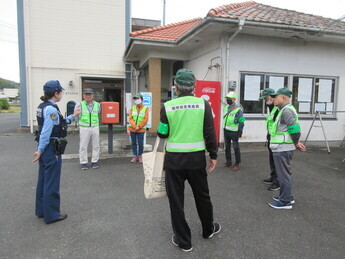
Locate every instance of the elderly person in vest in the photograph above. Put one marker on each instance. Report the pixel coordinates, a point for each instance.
(89, 120)
(271, 115)
(233, 127)
(187, 124)
(138, 117)
(285, 134)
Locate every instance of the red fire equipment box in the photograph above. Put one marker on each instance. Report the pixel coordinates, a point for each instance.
(110, 112)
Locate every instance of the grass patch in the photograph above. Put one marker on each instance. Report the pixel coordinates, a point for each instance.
(12, 109)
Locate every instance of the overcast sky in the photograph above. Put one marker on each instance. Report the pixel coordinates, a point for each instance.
(176, 11)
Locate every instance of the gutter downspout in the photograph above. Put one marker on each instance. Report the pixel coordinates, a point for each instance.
(227, 64)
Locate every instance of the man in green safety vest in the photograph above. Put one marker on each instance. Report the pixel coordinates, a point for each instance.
(233, 122)
(89, 120)
(187, 123)
(285, 132)
(272, 112)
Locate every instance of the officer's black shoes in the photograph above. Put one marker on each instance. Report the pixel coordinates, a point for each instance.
(274, 187)
(268, 181)
(174, 240)
(61, 217)
(216, 229)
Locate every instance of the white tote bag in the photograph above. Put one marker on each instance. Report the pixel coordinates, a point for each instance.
(153, 162)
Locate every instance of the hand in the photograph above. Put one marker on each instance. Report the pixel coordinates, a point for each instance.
(137, 128)
(76, 112)
(301, 147)
(212, 165)
(240, 134)
(37, 155)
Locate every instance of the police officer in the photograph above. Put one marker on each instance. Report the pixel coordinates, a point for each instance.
(271, 115)
(138, 118)
(187, 124)
(285, 134)
(89, 128)
(51, 128)
(233, 127)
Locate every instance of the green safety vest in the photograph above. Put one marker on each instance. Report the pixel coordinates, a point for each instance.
(284, 136)
(269, 119)
(89, 119)
(229, 119)
(138, 116)
(186, 124)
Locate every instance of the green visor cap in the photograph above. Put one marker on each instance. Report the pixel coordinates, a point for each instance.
(266, 92)
(138, 95)
(184, 77)
(283, 91)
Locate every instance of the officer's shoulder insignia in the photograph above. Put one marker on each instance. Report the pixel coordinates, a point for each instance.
(53, 116)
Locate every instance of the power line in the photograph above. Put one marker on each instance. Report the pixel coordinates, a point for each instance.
(16, 42)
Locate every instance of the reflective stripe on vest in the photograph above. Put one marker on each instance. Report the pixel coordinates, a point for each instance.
(138, 117)
(89, 119)
(229, 120)
(186, 123)
(186, 145)
(284, 136)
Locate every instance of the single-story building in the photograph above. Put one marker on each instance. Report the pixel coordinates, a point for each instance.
(248, 47)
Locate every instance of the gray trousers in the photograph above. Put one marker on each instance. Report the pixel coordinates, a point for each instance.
(282, 162)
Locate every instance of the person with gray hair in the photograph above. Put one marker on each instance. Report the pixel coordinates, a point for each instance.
(187, 124)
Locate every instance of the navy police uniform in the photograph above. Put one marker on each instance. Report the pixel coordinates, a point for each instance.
(51, 127)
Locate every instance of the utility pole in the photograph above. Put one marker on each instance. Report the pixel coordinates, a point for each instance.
(163, 12)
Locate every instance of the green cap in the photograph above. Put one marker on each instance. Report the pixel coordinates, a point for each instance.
(184, 77)
(283, 91)
(231, 95)
(138, 95)
(266, 92)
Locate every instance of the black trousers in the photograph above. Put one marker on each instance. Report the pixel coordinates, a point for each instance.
(228, 137)
(274, 175)
(175, 190)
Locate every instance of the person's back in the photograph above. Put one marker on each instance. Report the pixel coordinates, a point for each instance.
(187, 123)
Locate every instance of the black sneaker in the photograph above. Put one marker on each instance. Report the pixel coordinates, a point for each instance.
(274, 187)
(175, 242)
(268, 181)
(216, 229)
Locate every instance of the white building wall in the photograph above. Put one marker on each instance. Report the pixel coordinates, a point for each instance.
(273, 55)
(68, 39)
(262, 54)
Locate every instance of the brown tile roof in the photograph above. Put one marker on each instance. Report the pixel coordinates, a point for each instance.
(257, 12)
(249, 10)
(170, 32)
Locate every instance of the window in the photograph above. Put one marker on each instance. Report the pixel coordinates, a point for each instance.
(253, 84)
(312, 94)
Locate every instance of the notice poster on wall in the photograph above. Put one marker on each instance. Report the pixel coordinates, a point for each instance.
(147, 101)
(329, 108)
(252, 88)
(276, 82)
(304, 107)
(320, 107)
(305, 86)
(325, 90)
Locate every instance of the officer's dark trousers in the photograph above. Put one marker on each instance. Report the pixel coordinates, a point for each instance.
(48, 185)
(175, 189)
(274, 176)
(228, 137)
(282, 161)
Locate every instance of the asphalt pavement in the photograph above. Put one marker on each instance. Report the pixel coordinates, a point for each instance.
(108, 216)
